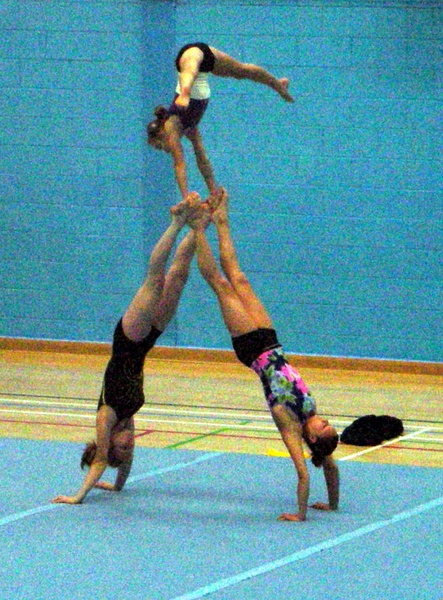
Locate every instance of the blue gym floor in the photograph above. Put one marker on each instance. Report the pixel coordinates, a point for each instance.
(192, 524)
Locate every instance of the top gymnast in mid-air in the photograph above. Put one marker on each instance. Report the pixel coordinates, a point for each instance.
(194, 62)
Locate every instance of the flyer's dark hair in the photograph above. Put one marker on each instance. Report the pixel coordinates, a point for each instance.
(161, 115)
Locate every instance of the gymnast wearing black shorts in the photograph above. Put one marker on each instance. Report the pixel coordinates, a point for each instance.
(194, 62)
(256, 345)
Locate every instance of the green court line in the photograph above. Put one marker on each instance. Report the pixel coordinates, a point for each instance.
(196, 438)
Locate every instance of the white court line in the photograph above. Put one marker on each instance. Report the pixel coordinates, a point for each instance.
(50, 413)
(46, 507)
(388, 443)
(259, 427)
(146, 409)
(58, 404)
(146, 419)
(218, 424)
(230, 415)
(292, 558)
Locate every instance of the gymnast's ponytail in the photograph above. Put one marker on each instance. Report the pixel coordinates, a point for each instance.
(161, 113)
(88, 454)
(90, 451)
(154, 127)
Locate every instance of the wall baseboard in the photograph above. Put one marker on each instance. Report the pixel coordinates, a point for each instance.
(228, 356)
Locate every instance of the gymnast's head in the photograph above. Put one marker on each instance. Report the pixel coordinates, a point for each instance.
(121, 450)
(321, 439)
(157, 136)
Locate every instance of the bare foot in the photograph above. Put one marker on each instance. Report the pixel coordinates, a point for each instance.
(291, 517)
(199, 217)
(194, 201)
(214, 198)
(187, 202)
(283, 89)
(181, 210)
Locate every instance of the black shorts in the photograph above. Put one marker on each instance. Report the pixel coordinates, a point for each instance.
(249, 346)
(208, 62)
(191, 116)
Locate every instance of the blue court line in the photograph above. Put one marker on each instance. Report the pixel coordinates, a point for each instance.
(46, 507)
(326, 545)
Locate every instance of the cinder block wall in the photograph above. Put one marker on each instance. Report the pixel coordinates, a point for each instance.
(78, 208)
(336, 200)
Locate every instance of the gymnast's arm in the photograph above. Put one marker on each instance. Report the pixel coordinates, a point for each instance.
(122, 471)
(122, 475)
(203, 163)
(172, 129)
(332, 479)
(105, 421)
(291, 436)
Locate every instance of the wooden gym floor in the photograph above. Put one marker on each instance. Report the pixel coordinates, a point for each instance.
(197, 517)
(198, 401)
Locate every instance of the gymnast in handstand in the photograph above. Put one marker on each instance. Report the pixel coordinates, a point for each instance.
(122, 395)
(194, 62)
(256, 345)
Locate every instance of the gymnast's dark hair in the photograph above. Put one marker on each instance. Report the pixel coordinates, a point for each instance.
(89, 453)
(161, 113)
(322, 448)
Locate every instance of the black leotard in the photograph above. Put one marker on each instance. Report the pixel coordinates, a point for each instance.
(123, 380)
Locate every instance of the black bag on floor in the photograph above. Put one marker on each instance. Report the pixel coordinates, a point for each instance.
(372, 430)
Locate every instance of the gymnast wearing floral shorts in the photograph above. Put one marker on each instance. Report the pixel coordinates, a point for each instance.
(256, 345)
